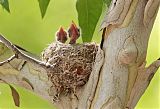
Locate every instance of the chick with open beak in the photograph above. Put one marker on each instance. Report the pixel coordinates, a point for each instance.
(61, 35)
(74, 33)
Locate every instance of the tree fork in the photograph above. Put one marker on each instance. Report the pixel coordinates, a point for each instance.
(118, 78)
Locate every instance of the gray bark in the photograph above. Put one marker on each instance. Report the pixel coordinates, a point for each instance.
(119, 76)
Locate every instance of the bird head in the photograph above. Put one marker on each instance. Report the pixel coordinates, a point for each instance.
(73, 32)
(61, 35)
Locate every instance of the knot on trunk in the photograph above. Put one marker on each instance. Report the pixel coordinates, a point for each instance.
(128, 54)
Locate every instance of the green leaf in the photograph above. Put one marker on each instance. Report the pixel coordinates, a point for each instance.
(107, 2)
(43, 4)
(5, 4)
(89, 12)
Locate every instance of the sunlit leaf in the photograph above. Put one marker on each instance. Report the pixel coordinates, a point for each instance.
(43, 4)
(89, 12)
(5, 4)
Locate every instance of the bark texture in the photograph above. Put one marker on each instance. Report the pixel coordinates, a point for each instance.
(119, 76)
(128, 26)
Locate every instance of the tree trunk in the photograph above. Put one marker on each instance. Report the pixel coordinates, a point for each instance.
(118, 78)
(128, 27)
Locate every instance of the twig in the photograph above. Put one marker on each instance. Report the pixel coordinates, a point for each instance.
(20, 55)
(8, 60)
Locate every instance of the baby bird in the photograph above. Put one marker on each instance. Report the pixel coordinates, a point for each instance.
(74, 33)
(61, 35)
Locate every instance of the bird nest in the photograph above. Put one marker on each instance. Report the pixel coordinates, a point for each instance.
(72, 65)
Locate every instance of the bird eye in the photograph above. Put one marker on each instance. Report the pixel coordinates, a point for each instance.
(78, 30)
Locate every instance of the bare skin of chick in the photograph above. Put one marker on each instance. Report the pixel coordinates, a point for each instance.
(74, 33)
(61, 35)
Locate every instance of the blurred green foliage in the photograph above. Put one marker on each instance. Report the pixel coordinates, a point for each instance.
(5, 4)
(25, 27)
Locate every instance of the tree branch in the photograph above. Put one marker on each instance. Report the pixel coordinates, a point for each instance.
(20, 69)
(8, 60)
(21, 55)
(121, 80)
(24, 71)
(143, 79)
